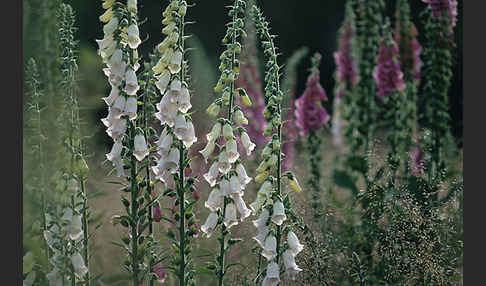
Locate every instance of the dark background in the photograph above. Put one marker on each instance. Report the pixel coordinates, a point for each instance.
(311, 23)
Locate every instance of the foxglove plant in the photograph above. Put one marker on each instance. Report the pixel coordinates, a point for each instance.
(77, 169)
(409, 52)
(177, 137)
(272, 205)
(389, 80)
(250, 80)
(227, 175)
(346, 75)
(311, 116)
(118, 50)
(289, 86)
(439, 22)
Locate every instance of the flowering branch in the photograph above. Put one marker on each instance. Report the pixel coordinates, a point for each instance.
(229, 184)
(272, 205)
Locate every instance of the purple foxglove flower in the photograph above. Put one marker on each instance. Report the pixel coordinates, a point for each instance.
(388, 74)
(309, 112)
(409, 46)
(157, 213)
(347, 74)
(444, 8)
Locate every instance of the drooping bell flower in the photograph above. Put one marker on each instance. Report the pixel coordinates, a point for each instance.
(310, 113)
(387, 73)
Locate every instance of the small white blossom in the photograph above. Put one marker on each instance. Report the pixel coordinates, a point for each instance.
(294, 243)
(227, 132)
(273, 275)
(241, 206)
(262, 234)
(115, 151)
(131, 83)
(224, 165)
(230, 216)
(131, 108)
(242, 175)
(232, 150)
(133, 36)
(78, 264)
(215, 200)
(291, 267)
(247, 144)
(215, 132)
(163, 81)
(212, 174)
(175, 62)
(208, 150)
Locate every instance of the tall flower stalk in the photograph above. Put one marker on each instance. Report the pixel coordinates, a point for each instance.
(439, 22)
(227, 175)
(177, 136)
(72, 138)
(311, 116)
(346, 75)
(272, 204)
(118, 50)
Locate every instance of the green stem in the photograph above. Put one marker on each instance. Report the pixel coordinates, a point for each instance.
(134, 211)
(221, 242)
(85, 230)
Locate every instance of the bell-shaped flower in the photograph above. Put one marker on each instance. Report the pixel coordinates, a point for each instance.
(131, 84)
(157, 215)
(164, 143)
(163, 81)
(235, 186)
(212, 174)
(261, 236)
(227, 131)
(115, 151)
(167, 111)
(133, 36)
(141, 149)
(257, 204)
(172, 163)
(230, 216)
(232, 150)
(190, 137)
(117, 129)
(241, 206)
(215, 132)
(273, 275)
(242, 175)
(225, 187)
(131, 108)
(111, 26)
(118, 164)
(114, 94)
(291, 267)
(294, 185)
(262, 177)
(210, 224)
(240, 117)
(132, 6)
(107, 16)
(184, 100)
(214, 109)
(67, 215)
(215, 200)
(78, 264)
(208, 150)
(116, 61)
(175, 62)
(278, 216)
(175, 90)
(261, 222)
(294, 243)
(224, 164)
(270, 249)
(119, 106)
(247, 144)
(180, 126)
(75, 229)
(265, 189)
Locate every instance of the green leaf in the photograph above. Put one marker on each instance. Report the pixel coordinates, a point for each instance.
(343, 180)
(357, 163)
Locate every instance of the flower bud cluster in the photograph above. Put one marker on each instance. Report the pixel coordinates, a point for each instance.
(118, 50)
(272, 206)
(227, 175)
